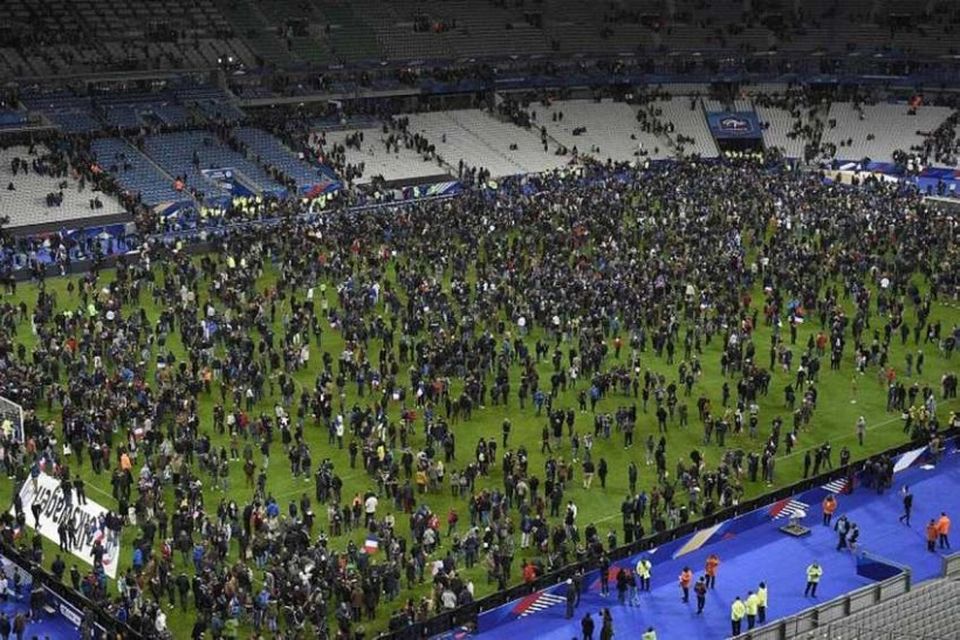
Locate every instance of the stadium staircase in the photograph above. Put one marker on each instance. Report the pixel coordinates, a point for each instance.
(352, 38)
(249, 21)
(144, 176)
(470, 125)
(267, 151)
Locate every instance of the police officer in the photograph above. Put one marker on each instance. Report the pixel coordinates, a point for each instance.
(814, 573)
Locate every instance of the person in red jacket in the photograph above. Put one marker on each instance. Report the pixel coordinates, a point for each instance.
(713, 561)
(829, 507)
(529, 572)
(686, 577)
(943, 530)
(932, 533)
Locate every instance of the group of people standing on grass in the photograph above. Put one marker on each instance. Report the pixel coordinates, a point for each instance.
(447, 308)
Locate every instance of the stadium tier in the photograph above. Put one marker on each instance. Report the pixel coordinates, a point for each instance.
(369, 154)
(39, 187)
(326, 33)
(199, 160)
(878, 131)
(135, 172)
(931, 610)
(272, 155)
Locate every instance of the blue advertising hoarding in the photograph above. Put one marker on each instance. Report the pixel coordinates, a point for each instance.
(725, 125)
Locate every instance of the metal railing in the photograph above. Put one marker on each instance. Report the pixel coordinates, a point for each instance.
(827, 621)
(817, 622)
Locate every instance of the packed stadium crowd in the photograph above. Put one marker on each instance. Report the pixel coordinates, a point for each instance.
(444, 308)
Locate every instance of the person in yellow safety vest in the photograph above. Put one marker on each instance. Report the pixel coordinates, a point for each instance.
(737, 611)
(762, 606)
(643, 573)
(753, 602)
(649, 634)
(814, 573)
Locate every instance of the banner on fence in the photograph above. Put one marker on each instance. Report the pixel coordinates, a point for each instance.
(87, 519)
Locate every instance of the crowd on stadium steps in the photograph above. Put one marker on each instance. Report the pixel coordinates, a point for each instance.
(52, 164)
(942, 146)
(615, 267)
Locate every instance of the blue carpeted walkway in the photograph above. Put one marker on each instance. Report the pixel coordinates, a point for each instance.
(761, 554)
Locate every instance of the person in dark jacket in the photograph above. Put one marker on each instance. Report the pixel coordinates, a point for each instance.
(586, 626)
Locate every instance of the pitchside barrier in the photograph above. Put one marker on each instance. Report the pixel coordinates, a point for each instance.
(951, 566)
(468, 615)
(893, 580)
(65, 601)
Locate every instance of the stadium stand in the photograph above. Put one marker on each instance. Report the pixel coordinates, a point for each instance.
(187, 154)
(877, 131)
(71, 113)
(178, 107)
(686, 116)
(61, 37)
(318, 33)
(521, 147)
(942, 145)
(780, 131)
(12, 118)
(135, 172)
(601, 129)
(271, 154)
(46, 191)
(374, 159)
(208, 103)
(931, 610)
(258, 23)
(131, 112)
(479, 140)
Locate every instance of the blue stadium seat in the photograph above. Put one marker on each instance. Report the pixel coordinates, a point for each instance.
(142, 176)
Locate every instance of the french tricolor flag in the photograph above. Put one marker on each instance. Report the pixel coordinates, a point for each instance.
(371, 544)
